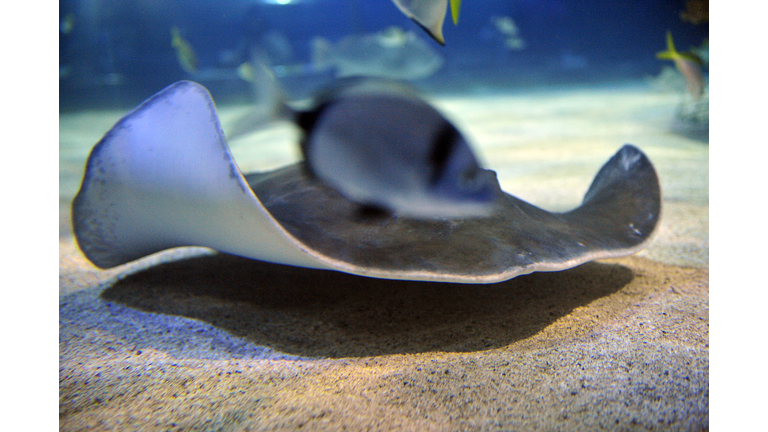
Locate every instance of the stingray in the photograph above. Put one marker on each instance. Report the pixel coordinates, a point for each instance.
(164, 177)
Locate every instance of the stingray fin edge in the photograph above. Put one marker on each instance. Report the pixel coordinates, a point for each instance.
(624, 198)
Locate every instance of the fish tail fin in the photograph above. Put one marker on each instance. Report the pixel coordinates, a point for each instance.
(671, 53)
(455, 5)
(321, 53)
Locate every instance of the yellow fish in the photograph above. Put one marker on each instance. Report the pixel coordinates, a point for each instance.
(688, 64)
(430, 14)
(184, 52)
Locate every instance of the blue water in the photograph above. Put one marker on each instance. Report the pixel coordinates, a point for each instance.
(113, 54)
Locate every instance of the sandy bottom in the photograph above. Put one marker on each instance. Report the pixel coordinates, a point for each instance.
(194, 340)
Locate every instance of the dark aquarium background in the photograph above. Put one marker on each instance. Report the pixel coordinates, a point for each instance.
(114, 54)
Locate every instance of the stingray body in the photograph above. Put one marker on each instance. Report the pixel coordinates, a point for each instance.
(164, 177)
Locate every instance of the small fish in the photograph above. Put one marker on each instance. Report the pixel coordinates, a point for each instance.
(689, 66)
(184, 52)
(382, 147)
(430, 14)
(391, 53)
(505, 25)
(509, 32)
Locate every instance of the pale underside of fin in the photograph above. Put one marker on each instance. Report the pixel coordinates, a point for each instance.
(164, 177)
(429, 14)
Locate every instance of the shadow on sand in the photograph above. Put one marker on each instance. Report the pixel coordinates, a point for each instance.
(318, 313)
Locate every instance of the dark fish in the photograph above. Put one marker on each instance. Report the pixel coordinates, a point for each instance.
(380, 146)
